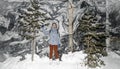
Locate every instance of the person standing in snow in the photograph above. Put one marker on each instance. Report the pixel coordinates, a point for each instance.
(54, 41)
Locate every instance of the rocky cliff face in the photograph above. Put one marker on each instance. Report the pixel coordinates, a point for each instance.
(8, 18)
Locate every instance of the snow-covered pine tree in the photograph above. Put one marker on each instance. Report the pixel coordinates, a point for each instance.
(94, 38)
(30, 21)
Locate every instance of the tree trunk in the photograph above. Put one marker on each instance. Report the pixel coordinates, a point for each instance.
(33, 49)
(33, 45)
(70, 13)
(107, 26)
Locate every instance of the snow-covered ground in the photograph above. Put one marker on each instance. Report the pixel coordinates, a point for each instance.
(112, 61)
(70, 61)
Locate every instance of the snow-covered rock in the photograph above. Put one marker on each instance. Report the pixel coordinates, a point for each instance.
(2, 57)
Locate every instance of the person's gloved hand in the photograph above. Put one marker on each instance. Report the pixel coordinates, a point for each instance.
(58, 45)
(42, 26)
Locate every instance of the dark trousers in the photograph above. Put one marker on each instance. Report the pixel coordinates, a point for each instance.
(54, 50)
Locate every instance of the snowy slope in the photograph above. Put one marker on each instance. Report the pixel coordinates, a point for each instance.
(112, 61)
(70, 61)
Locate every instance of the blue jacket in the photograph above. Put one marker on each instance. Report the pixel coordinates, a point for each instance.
(54, 36)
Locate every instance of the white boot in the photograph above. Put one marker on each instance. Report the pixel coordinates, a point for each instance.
(57, 61)
(50, 61)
